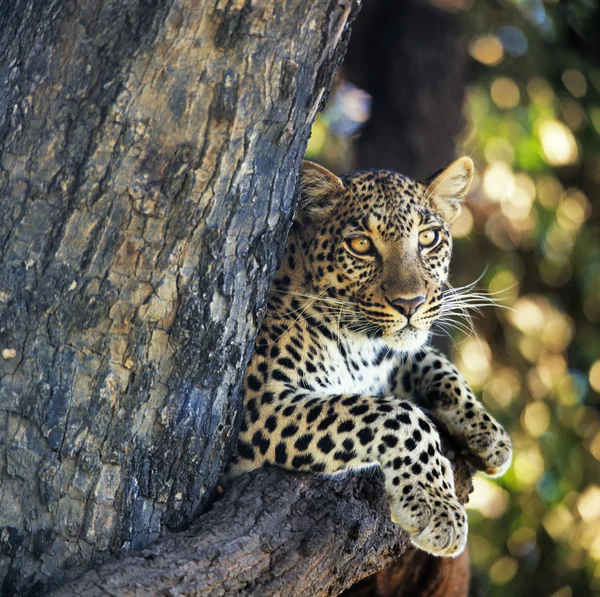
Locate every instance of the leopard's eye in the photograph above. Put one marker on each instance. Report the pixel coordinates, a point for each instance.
(429, 238)
(360, 245)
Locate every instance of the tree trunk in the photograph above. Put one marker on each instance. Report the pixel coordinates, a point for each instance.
(410, 57)
(148, 162)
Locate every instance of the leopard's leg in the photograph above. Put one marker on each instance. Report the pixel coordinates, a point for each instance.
(304, 432)
(439, 387)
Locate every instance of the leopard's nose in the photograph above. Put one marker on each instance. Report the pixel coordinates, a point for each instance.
(408, 305)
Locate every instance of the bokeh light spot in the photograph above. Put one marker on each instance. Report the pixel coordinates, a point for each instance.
(594, 76)
(505, 93)
(558, 522)
(558, 143)
(487, 49)
(594, 113)
(529, 466)
(513, 40)
(498, 149)
(503, 570)
(517, 206)
(481, 550)
(488, 498)
(540, 91)
(575, 82)
(521, 542)
(573, 210)
(588, 504)
(595, 446)
(594, 376)
(535, 419)
(498, 181)
(563, 592)
(475, 357)
(502, 388)
(506, 283)
(463, 225)
(573, 114)
(527, 316)
(549, 190)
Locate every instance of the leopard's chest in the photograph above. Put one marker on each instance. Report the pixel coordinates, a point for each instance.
(344, 367)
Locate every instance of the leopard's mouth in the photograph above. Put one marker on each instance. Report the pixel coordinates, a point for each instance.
(407, 339)
(402, 335)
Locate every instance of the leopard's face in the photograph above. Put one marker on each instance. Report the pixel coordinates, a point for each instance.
(378, 252)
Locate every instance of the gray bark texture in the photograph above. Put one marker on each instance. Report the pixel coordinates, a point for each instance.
(148, 160)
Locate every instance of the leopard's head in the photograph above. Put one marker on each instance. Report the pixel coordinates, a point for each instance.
(378, 247)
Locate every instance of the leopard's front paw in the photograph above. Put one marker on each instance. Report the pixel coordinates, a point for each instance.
(486, 442)
(489, 445)
(434, 519)
(446, 533)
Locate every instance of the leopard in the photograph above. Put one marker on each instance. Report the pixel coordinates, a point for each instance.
(343, 376)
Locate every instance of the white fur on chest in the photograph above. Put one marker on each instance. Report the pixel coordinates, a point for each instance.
(357, 368)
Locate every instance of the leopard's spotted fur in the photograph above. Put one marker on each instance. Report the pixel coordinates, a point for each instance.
(341, 367)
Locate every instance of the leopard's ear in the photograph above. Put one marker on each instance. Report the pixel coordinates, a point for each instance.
(447, 188)
(318, 189)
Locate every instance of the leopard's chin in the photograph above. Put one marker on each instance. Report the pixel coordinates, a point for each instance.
(408, 339)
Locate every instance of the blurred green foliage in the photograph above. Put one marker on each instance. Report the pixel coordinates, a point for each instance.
(533, 108)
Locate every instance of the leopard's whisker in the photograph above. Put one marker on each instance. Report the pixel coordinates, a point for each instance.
(465, 328)
(449, 323)
(306, 307)
(445, 334)
(456, 318)
(475, 305)
(470, 285)
(326, 299)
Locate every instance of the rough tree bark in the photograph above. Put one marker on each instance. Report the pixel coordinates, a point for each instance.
(148, 159)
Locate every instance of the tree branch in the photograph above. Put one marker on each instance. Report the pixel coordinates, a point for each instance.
(271, 531)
